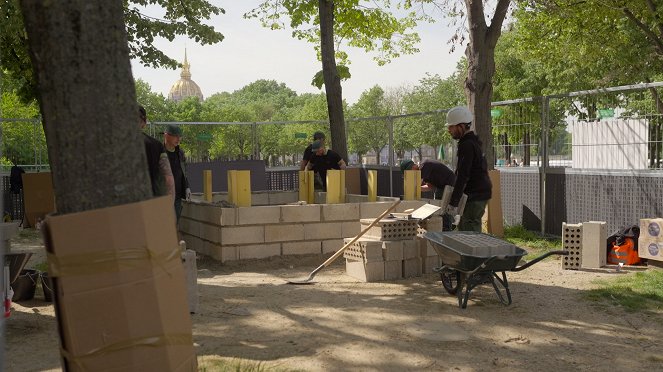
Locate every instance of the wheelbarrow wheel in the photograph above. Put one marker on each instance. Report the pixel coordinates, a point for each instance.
(450, 279)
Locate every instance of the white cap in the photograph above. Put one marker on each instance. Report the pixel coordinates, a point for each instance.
(458, 115)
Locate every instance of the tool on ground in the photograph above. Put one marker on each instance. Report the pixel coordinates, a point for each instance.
(340, 251)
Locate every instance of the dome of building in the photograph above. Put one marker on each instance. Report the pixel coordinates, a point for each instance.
(185, 87)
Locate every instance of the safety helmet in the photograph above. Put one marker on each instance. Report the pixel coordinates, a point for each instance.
(458, 115)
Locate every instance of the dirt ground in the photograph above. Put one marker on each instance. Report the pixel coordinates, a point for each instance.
(248, 312)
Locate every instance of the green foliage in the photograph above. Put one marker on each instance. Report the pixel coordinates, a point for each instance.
(372, 134)
(219, 364)
(527, 239)
(642, 291)
(179, 18)
(23, 142)
(319, 80)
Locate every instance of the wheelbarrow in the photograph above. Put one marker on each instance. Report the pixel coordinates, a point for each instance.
(470, 259)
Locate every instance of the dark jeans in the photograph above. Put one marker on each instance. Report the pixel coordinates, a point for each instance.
(471, 218)
(178, 210)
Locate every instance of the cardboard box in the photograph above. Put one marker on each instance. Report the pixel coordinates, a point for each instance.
(651, 228)
(651, 249)
(120, 290)
(38, 196)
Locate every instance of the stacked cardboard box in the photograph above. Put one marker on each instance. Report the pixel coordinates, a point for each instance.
(650, 242)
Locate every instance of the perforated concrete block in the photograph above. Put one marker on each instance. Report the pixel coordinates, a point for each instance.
(283, 197)
(284, 232)
(350, 228)
(233, 235)
(211, 233)
(428, 263)
(366, 272)
(322, 230)
(305, 247)
(258, 215)
(373, 210)
(392, 250)
(340, 212)
(572, 242)
(332, 245)
(258, 250)
(300, 213)
(410, 249)
(393, 270)
(412, 267)
(594, 238)
(390, 229)
(364, 249)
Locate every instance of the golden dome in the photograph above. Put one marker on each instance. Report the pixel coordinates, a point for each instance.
(185, 87)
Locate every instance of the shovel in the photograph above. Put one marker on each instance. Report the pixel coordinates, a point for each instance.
(340, 251)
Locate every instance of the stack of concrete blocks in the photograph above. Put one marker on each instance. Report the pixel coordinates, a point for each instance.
(650, 241)
(429, 258)
(572, 242)
(229, 234)
(594, 247)
(387, 251)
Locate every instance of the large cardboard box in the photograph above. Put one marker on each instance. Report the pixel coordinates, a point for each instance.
(38, 196)
(650, 242)
(120, 290)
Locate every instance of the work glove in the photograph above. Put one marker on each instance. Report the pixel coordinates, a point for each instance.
(188, 194)
(451, 210)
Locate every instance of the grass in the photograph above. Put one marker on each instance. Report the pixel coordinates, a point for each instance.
(642, 291)
(220, 364)
(531, 240)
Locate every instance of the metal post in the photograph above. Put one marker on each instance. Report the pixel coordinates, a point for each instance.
(390, 124)
(254, 138)
(543, 167)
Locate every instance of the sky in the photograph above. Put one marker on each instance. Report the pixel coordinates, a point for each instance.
(250, 52)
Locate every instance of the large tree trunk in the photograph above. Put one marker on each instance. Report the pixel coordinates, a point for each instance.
(332, 79)
(480, 54)
(87, 99)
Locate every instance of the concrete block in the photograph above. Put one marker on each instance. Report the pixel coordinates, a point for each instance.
(219, 197)
(221, 253)
(193, 242)
(258, 251)
(373, 210)
(186, 209)
(594, 238)
(233, 235)
(300, 213)
(322, 230)
(350, 229)
(284, 233)
(210, 233)
(305, 247)
(364, 249)
(283, 197)
(572, 242)
(410, 249)
(226, 217)
(425, 247)
(392, 250)
(332, 245)
(320, 197)
(433, 223)
(259, 198)
(393, 270)
(191, 274)
(428, 263)
(412, 267)
(260, 215)
(366, 272)
(340, 212)
(353, 198)
(390, 229)
(189, 226)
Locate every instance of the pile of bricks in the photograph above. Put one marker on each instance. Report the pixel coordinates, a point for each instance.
(392, 250)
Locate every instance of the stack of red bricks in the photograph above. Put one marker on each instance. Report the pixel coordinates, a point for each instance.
(391, 250)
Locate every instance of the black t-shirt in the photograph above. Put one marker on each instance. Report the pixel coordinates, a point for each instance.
(321, 163)
(153, 150)
(437, 174)
(471, 172)
(308, 153)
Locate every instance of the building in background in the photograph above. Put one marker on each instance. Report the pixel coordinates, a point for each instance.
(185, 87)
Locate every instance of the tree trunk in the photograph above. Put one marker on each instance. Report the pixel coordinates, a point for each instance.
(480, 54)
(332, 79)
(87, 99)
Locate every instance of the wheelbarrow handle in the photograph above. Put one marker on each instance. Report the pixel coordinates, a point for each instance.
(523, 267)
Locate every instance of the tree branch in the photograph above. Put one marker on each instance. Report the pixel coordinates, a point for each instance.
(495, 28)
(646, 30)
(654, 12)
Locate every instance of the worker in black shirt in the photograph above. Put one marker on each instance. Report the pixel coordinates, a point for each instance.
(434, 175)
(322, 160)
(471, 171)
(317, 136)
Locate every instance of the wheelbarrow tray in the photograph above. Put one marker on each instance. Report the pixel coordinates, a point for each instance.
(466, 251)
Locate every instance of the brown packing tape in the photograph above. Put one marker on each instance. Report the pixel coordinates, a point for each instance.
(109, 261)
(160, 340)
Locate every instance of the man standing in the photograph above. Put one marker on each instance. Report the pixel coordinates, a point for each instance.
(471, 171)
(434, 175)
(323, 160)
(317, 136)
(171, 140)
(158, 165)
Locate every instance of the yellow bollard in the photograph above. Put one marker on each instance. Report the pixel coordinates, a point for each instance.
(412, 185)
(207, 185)
(239, 187)
(306, 187)
(335, 186)
(372, 185)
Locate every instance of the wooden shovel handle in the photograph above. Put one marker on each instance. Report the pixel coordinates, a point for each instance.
(340, 251)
